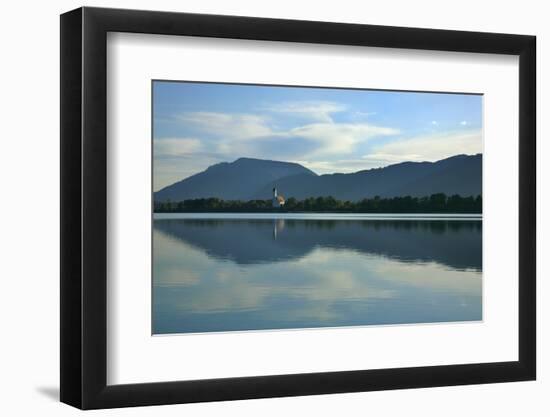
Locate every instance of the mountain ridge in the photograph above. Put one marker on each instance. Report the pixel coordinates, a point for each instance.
(251, 178)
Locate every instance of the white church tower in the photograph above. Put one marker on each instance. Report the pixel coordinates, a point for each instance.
(277, 200)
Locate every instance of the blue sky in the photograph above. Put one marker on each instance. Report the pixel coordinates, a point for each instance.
(196, 125)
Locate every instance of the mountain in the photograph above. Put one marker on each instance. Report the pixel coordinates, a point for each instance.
(247, 179)
(238, 180)
(460, 174)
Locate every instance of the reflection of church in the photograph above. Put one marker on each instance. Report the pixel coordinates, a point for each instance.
(278, 226)
(277, 200)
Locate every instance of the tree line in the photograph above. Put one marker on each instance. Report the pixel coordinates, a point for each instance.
(435, 203)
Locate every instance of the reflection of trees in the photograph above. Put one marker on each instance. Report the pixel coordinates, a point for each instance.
(436, 226)
(248, 241)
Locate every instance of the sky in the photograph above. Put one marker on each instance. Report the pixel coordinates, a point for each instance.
(196, 125)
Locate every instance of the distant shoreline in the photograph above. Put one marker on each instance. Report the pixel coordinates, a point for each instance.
(316, 217)
(438, 203)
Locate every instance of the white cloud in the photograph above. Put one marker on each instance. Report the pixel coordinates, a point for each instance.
(428, 148)
(330, 137)
(464, 123)
(240, 126)
(339, 138)
(434, 122)
(340, 165)
(315, 110)
(174, 147)
(361, 114)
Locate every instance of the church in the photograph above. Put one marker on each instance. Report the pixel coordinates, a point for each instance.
(277, 200)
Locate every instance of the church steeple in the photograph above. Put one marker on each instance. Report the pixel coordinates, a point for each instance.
(277, 200)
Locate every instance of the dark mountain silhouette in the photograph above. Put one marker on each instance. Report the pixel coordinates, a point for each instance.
(238, 180)
(459, 174)
(247, 179)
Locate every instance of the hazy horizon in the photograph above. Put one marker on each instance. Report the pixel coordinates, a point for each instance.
(196, 125)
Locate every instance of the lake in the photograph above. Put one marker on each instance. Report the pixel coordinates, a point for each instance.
(233, 272)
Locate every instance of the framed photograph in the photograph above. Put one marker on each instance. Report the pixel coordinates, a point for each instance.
(258, 208)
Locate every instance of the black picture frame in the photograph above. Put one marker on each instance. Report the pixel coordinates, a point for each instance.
(84, 207)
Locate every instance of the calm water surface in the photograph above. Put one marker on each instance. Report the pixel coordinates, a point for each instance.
(217, 272)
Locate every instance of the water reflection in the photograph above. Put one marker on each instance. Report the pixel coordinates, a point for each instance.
(242, 274)
(250, 241)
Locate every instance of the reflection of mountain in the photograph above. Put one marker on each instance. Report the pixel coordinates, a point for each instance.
(456, 244)
(246, 179)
